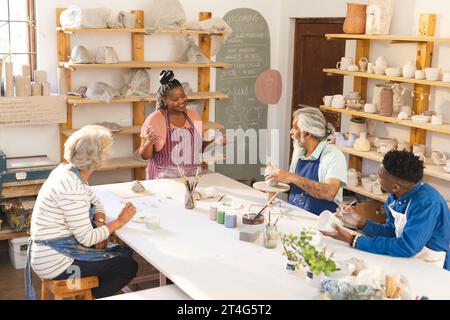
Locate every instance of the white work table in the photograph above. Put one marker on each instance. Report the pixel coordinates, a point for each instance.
(208, 261)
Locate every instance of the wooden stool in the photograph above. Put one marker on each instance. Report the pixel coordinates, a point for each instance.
(60, 288)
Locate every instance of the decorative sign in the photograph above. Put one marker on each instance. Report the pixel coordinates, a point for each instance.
(268, 87)
(247, 50)
(25, 111)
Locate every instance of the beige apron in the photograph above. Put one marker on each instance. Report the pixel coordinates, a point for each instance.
(436, 258)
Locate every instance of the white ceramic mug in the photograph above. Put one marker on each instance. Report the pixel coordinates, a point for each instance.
(327, 100)
(419, 74)
(370, 66)
(326, 221)
(437, 119)
(338, 101)
(370, 108)
(432, 74)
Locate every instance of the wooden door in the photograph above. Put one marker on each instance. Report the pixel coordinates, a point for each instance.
(312, 53)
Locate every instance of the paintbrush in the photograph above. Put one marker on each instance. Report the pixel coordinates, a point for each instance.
(264, 208)
(349, 205)
(185, 181)
(220, 199)
(197, 178)
(276, 221)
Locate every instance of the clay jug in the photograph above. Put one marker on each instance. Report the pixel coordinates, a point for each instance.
(355, 21)
(362, 144)
(386, 102)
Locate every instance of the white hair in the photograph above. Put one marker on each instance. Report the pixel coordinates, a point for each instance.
(88, 147)
(311, 120)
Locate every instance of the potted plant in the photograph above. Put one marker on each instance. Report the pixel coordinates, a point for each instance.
(302, 253)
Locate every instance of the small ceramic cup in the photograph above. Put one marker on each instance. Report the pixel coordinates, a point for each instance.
(370, 108)
(437, 119)
(327, 100)
(432, 74)
(370, 66)
(419, 74)
(326, 221)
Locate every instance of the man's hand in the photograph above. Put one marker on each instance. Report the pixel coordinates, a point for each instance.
(340, 234)
(280, 175)
(350, 217)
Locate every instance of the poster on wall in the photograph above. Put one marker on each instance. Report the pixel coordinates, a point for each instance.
(247, 50)
(25, 111)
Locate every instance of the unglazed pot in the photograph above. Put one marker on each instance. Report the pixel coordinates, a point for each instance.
(355, 21)
(362, 144)
(386, 102)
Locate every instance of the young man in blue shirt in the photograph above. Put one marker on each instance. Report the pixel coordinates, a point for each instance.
(418, 218)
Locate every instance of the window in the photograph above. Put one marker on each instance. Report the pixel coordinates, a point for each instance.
(17, 33)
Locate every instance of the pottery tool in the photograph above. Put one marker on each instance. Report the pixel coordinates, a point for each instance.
(264, 208)
(349, 205)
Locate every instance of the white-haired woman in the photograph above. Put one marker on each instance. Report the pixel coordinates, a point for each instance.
(68, 231)
(318, 170)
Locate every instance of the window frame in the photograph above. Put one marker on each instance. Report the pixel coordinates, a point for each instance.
(31, 26)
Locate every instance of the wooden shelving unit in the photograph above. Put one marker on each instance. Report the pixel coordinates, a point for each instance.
(137, 45)
(7, 234)
(386, 78)
(21, 189)
(361, 191)
(151, 98)
(141, 65)
(445, 128)
(430, 169)
(424, 52)
(139, 30)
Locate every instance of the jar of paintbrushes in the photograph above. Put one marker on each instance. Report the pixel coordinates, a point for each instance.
(270, 234)
(189, 200)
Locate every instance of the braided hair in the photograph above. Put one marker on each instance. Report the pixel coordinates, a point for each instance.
(168, 82)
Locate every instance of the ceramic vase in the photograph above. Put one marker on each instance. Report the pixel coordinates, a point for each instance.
(355, 21)
(386, 102)
(362, 144)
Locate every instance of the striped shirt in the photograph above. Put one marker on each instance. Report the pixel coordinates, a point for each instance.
(62, 210)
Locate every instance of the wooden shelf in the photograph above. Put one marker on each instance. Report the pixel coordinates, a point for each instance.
(21, 189)
(445, 128)
(385, 37)
(122, 163)
(144, 31)
(386, 78)
(360, 190)
(141, 65)
(7, 234)
(430, 169)
(150, 98)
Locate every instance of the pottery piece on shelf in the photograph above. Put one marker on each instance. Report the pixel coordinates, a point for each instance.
(386, 102)
(355, 20)
(357, 125)
(437, 119)
(345, 140)
(344, 63)
(407, 110)
(353, 68)
(409, 69)
(432, 74)
(338, 101)
(419, 74)
(370, 66)
(362, 144)
(446, 76)
(393, 72)
(392, 142)
(438, 158)
(370, 108)
(418, 149)
(381, 62)
(397, 98)
(79, 54)
(379, 16)
(363, 64)
(402, 116)
(420, 118)
(404, 146)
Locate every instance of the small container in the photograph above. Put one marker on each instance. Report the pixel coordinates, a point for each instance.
(213, 212)
(251, 224)
(270, 236)
(152, 223)
(248, 235)
(189, 200)
(220, 216)
(230, 219)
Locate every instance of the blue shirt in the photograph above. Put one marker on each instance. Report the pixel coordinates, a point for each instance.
(428, 224)
(333, 164)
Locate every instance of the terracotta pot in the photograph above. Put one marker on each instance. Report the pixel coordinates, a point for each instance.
(355, 21)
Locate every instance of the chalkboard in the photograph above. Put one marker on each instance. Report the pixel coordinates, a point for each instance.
(248, 52)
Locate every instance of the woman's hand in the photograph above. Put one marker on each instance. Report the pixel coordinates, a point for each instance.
(102, 245)
(152, 136)
(127, 214)
(280, 175)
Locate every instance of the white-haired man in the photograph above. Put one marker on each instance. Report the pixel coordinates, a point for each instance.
(318, 171)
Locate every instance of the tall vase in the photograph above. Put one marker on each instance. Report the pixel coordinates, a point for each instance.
(386, 102)
(362, 144)
(355, 21)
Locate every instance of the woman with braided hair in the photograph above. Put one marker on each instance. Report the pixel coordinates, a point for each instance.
(172, 135)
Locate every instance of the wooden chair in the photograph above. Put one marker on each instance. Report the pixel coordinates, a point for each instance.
(61, 289)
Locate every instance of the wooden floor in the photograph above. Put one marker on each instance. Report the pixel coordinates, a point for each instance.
(12, 280)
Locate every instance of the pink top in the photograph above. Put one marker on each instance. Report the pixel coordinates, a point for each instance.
(157, 121)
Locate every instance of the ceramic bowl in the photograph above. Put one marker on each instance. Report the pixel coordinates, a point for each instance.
(378, 142)
(432, 74)
(393, 72)
(420, 118)
(379, 70)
